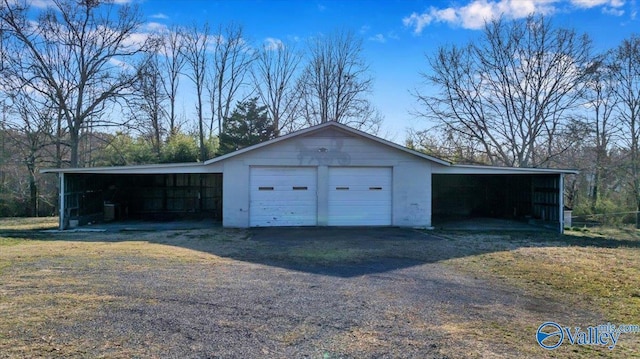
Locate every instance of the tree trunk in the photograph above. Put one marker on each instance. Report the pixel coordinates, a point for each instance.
(33, 195)
(203, 149)
(74, 139)
(33, 188)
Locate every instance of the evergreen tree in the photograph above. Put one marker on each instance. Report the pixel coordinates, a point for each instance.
(248, 125)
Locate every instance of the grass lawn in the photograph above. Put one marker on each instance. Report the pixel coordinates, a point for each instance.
(594, 274)
(595, 270)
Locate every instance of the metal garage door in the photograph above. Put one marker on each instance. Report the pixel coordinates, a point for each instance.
(359, 196)
(283, 196)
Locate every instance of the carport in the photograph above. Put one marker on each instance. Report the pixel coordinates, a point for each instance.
(139, 193)
(528, 195)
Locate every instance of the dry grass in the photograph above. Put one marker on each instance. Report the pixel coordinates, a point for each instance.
(28, 223)
(596, 271)
(38, 290)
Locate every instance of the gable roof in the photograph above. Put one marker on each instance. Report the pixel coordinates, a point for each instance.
(444, 167)
(200, 167)
(320, 127)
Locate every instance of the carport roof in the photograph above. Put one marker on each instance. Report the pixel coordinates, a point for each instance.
(191, 167)
(496, 170)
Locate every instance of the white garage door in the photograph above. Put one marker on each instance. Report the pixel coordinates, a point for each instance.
(359, 196)
(283, 196)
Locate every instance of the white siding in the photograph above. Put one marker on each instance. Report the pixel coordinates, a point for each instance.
(412, 194)
(235, 195)
(410, 187)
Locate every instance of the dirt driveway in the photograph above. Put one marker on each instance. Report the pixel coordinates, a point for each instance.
(276, 293)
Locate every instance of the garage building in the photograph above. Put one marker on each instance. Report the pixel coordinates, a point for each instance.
(326, 175)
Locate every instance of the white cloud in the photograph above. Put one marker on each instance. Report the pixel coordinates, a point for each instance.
(378, 38)
(589, 3)
(272, 44)
(447, 14)
(609, 7)
(417, 21)
(477, 12)
(119, 63)
(155, 27)
(612, 11)
(364, 29)
(474, 15)
(159, 16)
(393, 35)
(42, 4)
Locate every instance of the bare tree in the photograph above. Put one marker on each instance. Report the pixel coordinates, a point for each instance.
(73, 55)
(445, 146)
(335, 83)
(149, 103)
(232, 61)
(512, 91)
(600, 102)
(274, 77)
(173, 50)
(626, 70)
(29, 123)
(195, 52)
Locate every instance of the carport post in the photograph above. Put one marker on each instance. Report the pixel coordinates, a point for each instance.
(561, 202)
(61, 200)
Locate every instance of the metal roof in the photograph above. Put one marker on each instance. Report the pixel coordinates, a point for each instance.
(441, 166)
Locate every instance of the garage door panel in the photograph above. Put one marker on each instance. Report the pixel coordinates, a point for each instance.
(283, 196)
(359, 196)
(277, 196)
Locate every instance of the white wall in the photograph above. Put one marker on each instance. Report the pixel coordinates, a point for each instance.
(411, 195)
(235, 194)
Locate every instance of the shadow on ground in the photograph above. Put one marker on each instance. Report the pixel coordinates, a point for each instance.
(332, 251)
(343, 252)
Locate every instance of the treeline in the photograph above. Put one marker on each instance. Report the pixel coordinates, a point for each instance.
(90, 83)
(526, 93)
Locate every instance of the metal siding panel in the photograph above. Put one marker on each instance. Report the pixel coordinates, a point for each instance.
(362, 204)
(278, 203)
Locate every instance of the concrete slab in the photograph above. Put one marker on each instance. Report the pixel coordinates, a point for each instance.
(146, 226)
(487, 224)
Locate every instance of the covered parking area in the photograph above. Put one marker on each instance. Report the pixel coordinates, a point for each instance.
(148, 193)
(462, 193)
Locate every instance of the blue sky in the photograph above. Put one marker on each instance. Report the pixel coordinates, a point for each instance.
(397, 33)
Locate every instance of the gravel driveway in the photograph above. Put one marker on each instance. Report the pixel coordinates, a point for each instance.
(260, 300)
